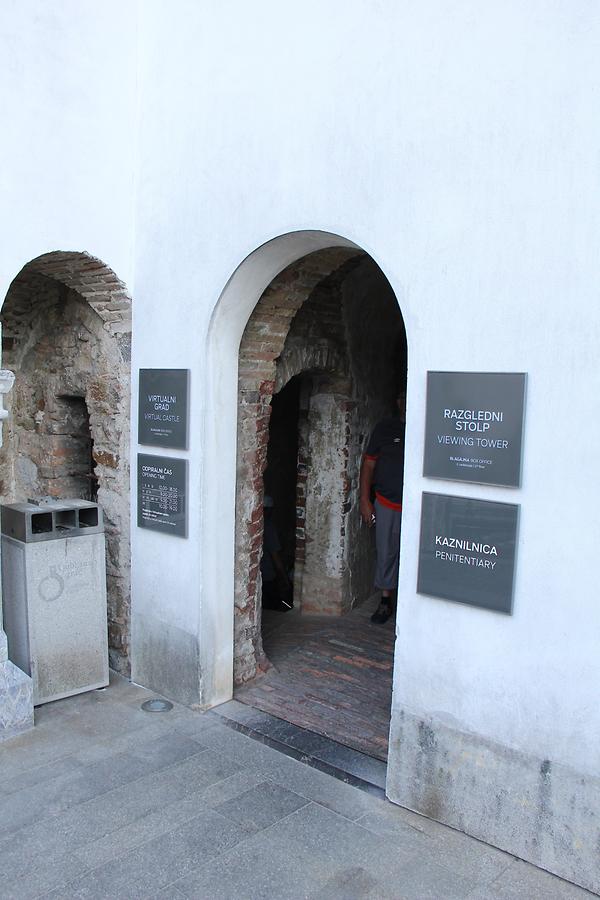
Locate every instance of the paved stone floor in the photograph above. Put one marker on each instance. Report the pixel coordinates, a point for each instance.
(103, 800)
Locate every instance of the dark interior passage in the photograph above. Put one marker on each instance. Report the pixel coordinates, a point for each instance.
(281, 472)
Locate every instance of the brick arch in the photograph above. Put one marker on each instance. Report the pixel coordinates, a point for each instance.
(92, 279)
(262, 345)
(322, 356)
(66, 323)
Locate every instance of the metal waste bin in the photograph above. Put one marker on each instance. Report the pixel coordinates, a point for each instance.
(54, 595)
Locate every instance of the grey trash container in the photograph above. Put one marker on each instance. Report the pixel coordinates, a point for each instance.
(54, 595)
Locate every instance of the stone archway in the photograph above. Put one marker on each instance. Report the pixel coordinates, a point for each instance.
(66, 323)
(302, 324)
(220, 510)
(262, 343)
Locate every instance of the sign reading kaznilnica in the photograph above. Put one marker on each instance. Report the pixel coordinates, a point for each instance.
(467, 551)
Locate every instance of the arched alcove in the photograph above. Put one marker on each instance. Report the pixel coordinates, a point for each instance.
(66, 334)
(253, 318)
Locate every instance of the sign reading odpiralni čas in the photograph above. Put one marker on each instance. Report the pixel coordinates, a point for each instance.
(474, 426)
(162, 494)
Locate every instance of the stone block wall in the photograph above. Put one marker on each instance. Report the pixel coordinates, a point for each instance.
(66, 335)
(325, 577)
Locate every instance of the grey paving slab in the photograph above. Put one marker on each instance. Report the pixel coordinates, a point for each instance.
(157, 863)
(52, 797)
(105, 746)
(115, 803)
(468, 856)
(294, 858)
(449, 848)
(116, 810)
(353, 882)
(160, 821)
(21, 753)
(239, 712)
(42, 876)
(295, 775)
(168, 893)
(67, 765)
(317, 786)
(522, 881)
(401, 834)
(100, 717)
(196, 724)
(423, 879)
(262, 805)
(67, 727)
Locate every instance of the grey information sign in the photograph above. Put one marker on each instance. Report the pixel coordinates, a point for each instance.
(467, 551)
(162, 494)
(163, 408)
(474, 426)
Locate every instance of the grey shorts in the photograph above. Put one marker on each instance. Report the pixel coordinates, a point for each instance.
(387, 543)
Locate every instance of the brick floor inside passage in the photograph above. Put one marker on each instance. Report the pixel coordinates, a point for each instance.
(331, 674)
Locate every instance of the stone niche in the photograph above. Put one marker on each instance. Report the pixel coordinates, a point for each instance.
(66, 335)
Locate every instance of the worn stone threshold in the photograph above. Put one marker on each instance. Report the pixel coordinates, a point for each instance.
(315, 750)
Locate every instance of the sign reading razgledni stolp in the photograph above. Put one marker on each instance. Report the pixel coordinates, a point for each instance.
(474, 426)
(163, 408)
(467, 551)
(162, 494)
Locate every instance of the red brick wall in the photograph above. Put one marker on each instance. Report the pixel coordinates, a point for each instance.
(262, 343)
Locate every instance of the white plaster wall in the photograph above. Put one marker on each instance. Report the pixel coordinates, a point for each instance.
(457, 144)
(69, 115)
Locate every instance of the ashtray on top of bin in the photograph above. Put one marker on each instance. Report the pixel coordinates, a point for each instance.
(47, 519)
(54, 595)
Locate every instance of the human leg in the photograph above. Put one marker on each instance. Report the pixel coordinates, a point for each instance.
(387, 542)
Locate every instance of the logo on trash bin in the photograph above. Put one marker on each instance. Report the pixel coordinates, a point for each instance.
(51, 587)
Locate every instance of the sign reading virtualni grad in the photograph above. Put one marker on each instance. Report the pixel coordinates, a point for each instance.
(163, 408)
(162, 494)
(467, 551)
(474, 426)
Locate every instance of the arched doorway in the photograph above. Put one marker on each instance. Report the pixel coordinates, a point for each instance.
(66, 334)
(329, 322)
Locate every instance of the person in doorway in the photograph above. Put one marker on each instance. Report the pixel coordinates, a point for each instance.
(276, 587)
(382, 473)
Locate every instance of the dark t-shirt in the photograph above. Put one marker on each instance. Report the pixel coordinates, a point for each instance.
(386, 446)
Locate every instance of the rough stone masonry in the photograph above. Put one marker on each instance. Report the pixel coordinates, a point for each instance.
(66, 335)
